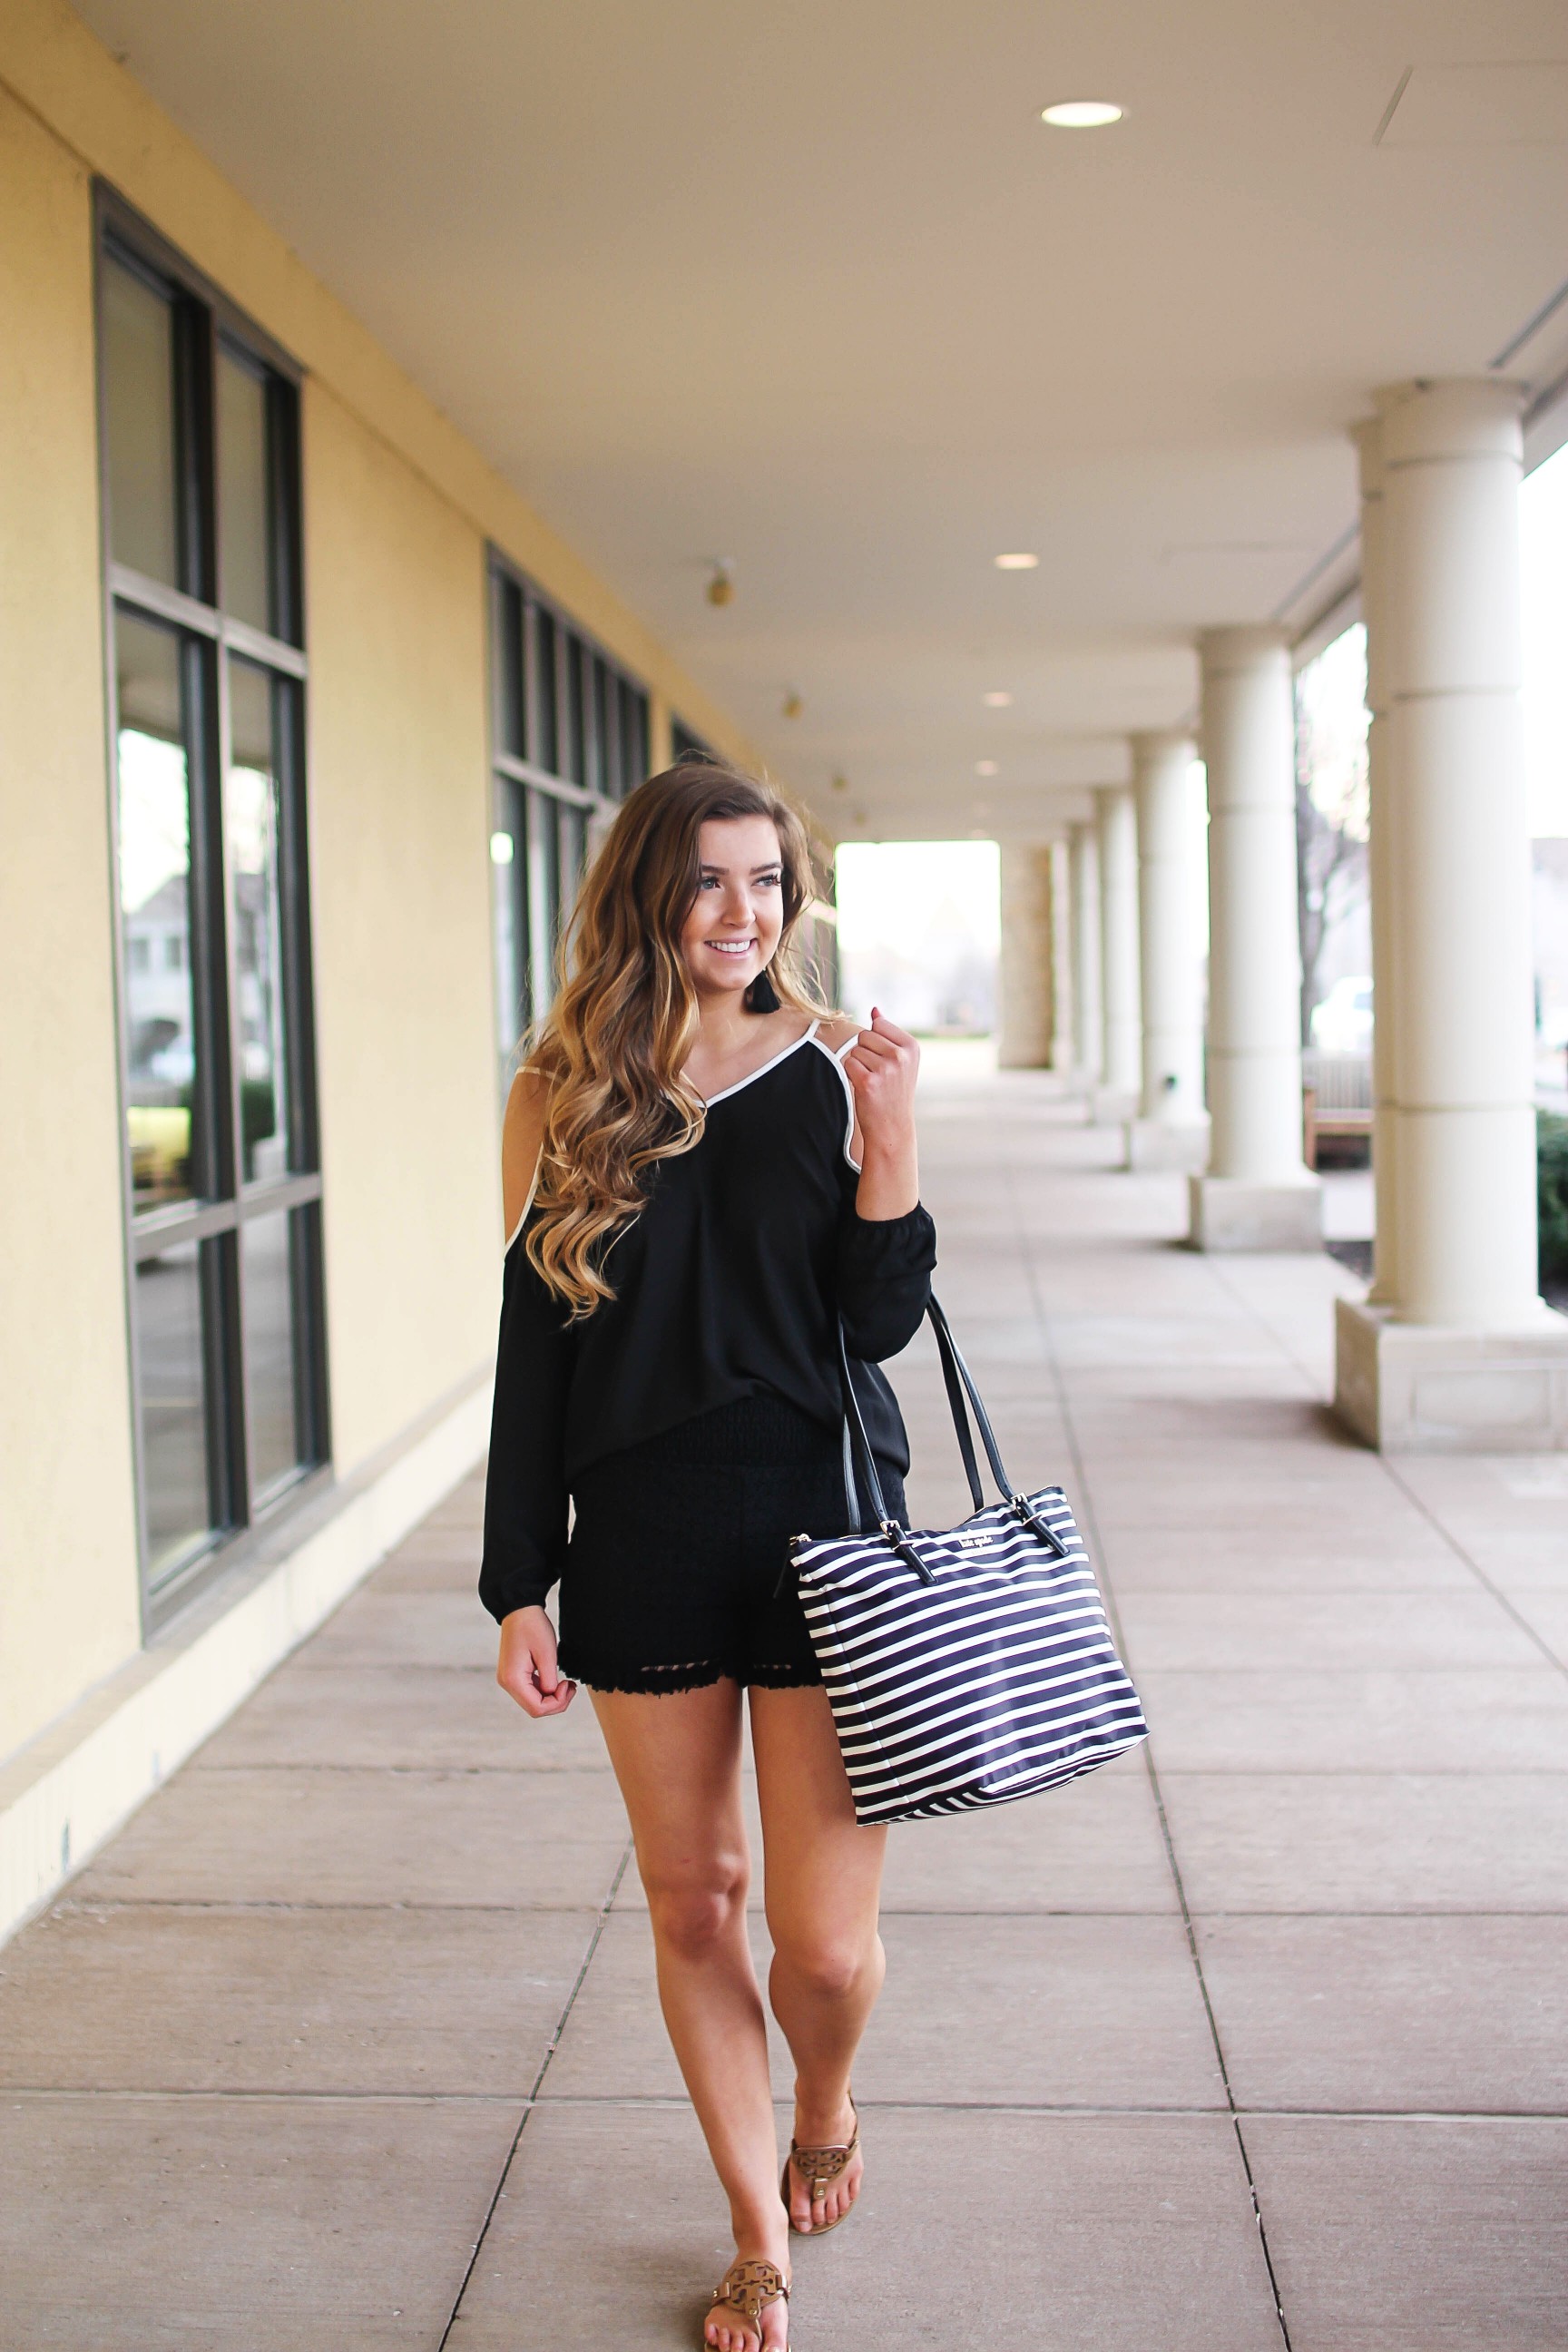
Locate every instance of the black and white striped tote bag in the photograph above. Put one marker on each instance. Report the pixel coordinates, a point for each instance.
(963, 1668)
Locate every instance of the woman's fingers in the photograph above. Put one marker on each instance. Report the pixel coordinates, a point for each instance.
(526, 1668)
(884, 1046)
(538, 1703)
(876, 1044)
(893, 1062)
(890, 1032)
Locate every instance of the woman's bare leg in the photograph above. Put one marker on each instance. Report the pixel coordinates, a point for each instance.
(677, 1759)
(823, 1878)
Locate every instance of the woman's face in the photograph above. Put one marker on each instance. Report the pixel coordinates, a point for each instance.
(738, 913)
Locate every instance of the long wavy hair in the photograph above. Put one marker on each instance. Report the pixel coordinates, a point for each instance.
(613, 1046)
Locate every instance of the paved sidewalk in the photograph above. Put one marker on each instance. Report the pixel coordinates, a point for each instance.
(368, 1984)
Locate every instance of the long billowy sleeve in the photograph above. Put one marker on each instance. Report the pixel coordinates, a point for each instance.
(884, 1278)
(525, 1487)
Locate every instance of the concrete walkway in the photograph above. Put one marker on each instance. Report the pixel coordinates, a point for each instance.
(368, 1986)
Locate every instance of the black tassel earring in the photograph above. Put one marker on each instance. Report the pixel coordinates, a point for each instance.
(763, 996)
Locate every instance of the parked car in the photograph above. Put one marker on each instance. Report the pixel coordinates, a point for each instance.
(1341, 1023)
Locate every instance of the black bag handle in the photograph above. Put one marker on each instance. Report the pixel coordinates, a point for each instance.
(963, 1397)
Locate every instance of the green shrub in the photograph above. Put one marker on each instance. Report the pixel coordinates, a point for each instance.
(257, 1114)
(1551, 1188)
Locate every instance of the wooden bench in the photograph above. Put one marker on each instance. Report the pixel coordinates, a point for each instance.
(1336, 1100)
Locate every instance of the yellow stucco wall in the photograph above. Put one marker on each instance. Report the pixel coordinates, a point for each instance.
(399, 796)
(68, 1605)
(398, 507)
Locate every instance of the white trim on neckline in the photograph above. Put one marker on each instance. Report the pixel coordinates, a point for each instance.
(836, 1056)
(809, 1037)
(750, 1079)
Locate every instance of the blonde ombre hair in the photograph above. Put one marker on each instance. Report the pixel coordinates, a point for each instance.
(612, 1048)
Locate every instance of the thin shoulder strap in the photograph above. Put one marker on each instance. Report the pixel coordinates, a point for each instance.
(532, 1189)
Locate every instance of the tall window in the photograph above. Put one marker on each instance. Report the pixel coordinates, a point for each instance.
(200, 426)
(570, 735)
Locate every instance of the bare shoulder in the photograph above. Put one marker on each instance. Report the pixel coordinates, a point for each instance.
(838, 1032)
(522, 1134)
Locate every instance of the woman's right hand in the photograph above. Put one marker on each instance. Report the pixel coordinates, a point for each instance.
(526, 1668)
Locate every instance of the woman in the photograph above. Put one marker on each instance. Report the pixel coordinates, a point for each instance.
(704, 1169)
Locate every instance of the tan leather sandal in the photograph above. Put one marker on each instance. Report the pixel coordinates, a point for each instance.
(747, 2289)
(819, 2167)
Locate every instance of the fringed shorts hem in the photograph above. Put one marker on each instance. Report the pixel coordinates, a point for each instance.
(658, 1682)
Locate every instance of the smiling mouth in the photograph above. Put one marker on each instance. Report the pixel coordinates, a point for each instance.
(732, 947)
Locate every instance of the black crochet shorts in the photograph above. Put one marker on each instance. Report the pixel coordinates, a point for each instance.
(678, 1548)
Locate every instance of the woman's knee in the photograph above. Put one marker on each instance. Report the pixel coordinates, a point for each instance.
(830, 1966)
(694, 1909)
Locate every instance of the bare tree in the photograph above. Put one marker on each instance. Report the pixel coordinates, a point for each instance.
(1331, 802)
(1330, 874)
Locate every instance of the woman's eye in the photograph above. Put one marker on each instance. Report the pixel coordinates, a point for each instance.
(768, 881)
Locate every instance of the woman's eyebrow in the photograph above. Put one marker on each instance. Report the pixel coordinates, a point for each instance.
(768, 865)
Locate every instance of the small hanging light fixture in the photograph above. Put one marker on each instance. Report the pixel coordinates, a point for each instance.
(792, 705)
(722, 586)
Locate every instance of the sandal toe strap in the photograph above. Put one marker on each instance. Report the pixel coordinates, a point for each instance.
(749, 2287)
(822, 2165)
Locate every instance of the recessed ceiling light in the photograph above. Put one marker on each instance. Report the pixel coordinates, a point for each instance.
(982, 768)
(998, 699)
(1016, 563)
(1081, 114)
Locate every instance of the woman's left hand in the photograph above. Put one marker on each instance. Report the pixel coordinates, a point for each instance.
(881, 1067)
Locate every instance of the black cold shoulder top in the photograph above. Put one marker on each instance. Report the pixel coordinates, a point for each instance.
(727, 1285)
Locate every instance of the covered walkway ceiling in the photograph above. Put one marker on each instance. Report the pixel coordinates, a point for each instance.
(810, 287)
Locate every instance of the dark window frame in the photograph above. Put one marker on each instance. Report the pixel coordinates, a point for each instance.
(574, 728)
(207, 638)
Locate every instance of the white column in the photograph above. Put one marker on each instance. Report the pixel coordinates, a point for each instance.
(1172, 1126)
(1088, 1031)
(1464, 1075)
(1382, 861)
(1121, 1061)
(1258, 1193)
(1465, 1358)
(1061, 1048)
(1025, 964)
